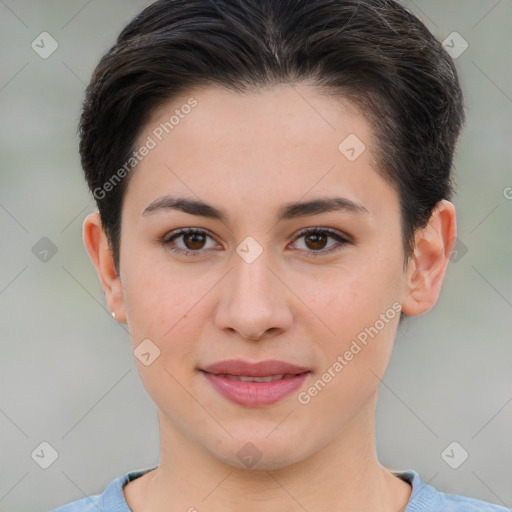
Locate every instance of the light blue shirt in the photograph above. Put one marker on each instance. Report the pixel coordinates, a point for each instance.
(424, 498)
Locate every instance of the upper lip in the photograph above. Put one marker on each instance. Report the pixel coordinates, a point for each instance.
(254, 369)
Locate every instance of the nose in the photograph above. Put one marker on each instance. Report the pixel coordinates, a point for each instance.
(254, 300)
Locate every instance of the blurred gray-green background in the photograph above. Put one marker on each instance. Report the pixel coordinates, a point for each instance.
(67, 375)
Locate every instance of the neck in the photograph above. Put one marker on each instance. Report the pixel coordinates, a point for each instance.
(344, 475)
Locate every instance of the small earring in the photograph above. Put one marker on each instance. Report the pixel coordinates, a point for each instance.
(113, 315)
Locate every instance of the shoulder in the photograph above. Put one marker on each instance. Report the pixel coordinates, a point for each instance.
(83, 505)
(112, 495)
(111, 499)
(465, 504)
(425, 498)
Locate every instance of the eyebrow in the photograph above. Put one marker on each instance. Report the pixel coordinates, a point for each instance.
(286, 212)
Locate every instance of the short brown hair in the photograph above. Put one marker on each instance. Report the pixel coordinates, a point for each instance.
(375, 53)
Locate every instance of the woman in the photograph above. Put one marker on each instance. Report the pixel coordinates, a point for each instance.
(273, 184)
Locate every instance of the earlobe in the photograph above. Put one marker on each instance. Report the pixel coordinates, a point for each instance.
(96, 243)
(429, 262)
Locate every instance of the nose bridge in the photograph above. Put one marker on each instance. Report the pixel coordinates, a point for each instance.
(252, 280)
(253, 299)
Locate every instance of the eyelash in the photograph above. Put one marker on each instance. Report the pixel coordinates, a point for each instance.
(342, 241)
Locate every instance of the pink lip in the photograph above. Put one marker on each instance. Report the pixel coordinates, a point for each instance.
(254, 394)
(257, 369)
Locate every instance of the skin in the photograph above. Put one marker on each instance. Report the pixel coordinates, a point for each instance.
(284, 305)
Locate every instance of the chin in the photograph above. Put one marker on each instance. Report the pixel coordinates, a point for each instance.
(258, 452)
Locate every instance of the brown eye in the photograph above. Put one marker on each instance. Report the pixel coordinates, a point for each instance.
(316, 239)
(193, 241)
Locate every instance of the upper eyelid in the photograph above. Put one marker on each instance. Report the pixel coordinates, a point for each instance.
(329, 231)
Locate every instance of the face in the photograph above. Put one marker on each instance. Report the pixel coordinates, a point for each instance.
(316, 287)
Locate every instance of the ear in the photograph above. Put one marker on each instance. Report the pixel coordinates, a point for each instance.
(427, 266)
(96, 242)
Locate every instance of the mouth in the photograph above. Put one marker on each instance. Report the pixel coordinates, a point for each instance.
(255, 384)
(245, 378)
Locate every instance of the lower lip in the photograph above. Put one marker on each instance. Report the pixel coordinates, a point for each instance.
(254, 394)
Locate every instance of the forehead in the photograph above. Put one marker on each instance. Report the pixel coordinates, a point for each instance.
(293, 110)
(288, 140)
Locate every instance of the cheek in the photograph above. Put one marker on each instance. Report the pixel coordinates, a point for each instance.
(160, 307)
(348, 299)
(165, 305)
(358, 312)
(156, 298)
(353, 364)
